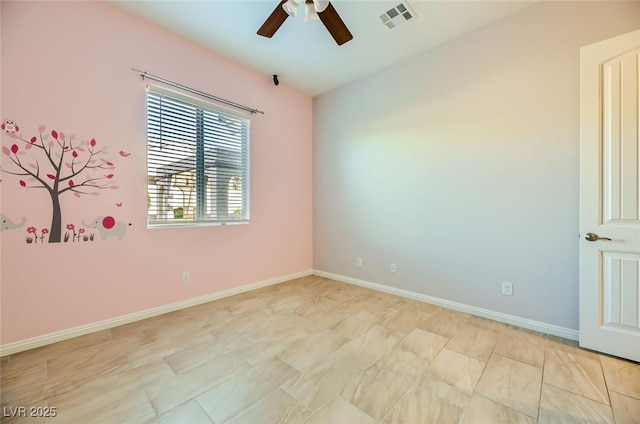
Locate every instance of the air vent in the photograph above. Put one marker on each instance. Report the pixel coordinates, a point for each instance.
(399, 14)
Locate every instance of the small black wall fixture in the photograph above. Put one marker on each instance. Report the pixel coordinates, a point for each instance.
(275, 80)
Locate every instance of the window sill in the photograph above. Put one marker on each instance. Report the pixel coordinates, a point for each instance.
(190, 224)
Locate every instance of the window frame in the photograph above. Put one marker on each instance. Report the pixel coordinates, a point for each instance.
(199, 166)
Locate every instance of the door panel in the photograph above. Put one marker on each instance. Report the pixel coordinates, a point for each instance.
(620, 135)
(610, 196)
(620, 289)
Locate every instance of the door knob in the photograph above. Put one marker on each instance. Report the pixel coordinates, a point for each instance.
(595, 237)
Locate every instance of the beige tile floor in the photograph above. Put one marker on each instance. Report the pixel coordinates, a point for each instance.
(315, 350)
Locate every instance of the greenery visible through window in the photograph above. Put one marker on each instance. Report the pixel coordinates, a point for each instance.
(197, 161)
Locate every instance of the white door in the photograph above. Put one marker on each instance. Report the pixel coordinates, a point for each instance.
(610, 196)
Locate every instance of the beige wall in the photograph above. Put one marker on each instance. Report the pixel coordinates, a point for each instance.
(460, 165)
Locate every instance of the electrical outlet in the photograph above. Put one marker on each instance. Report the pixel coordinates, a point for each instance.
(186, 276)
(507, 288)
(393, 267)
(358, 261)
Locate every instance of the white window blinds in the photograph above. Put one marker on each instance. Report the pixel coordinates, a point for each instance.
(197, 161)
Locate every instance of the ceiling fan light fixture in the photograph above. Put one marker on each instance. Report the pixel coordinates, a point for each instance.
(291, 7)
(320, 5)
(310, 13)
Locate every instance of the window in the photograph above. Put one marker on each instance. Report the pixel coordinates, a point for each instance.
(197, 161)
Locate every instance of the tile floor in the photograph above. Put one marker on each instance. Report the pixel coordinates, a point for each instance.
(315, 350)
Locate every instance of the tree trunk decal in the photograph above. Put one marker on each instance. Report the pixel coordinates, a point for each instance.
(56, 218)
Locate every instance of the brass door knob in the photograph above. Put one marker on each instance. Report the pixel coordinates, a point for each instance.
(595, 237)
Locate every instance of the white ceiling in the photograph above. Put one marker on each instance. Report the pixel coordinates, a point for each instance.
(303, 54)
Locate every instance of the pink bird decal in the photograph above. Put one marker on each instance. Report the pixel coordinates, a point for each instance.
(124, 154)
(119, 205)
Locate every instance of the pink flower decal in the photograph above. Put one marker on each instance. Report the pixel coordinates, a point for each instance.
(33, 140)
(31, 230)
(74, 154)
(80, 230)
(70, 226)
(43, 233)
(54, 134)
(22, 183)
(71, 183)
(92, 142)
(14, 148)
(51, 176)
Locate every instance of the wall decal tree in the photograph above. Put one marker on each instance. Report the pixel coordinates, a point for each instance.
(58, 165)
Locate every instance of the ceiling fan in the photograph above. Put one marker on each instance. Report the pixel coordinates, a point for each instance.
(314, 10)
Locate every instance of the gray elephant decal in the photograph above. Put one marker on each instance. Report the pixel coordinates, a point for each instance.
(8, 224)
(108, 226)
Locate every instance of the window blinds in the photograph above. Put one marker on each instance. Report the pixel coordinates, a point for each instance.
(197, 161)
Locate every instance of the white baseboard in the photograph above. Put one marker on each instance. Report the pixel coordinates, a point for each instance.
(82, 330)
(542, 327)
(58, 336)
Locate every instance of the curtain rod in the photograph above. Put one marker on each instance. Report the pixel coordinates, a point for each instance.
(145, 74)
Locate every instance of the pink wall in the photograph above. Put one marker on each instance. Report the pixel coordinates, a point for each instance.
(66, 65)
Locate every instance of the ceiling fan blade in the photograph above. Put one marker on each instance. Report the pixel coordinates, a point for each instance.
(274, 21)
(335, 25)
